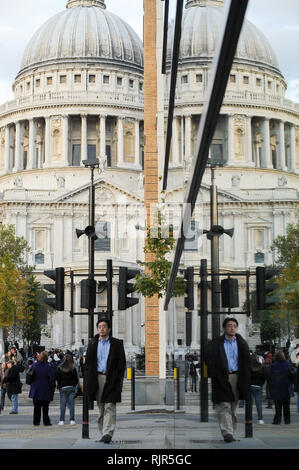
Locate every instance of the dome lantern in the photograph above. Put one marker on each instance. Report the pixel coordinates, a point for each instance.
(86, 3)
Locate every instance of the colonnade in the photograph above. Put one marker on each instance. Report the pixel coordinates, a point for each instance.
(257, 151)
(41, 156)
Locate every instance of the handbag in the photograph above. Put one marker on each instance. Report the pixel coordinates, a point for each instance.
(292, 372)
(30, 376)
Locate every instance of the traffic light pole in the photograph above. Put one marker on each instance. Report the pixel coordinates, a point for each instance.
(216, 292)
(91, 248)
(91, 240)
(204, 386)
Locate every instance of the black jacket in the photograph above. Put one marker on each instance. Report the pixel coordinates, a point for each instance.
(259, 376)
(116, 365)
(14, 384)
(218, 370)
(66, 379)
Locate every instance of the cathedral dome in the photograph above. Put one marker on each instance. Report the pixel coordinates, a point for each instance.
(84, 32)
(202, 23)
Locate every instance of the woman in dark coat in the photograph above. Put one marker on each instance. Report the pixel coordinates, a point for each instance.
(281, 387)
(14, 385)
(42, 389)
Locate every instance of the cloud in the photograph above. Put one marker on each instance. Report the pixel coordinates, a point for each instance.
(293, 90)
(291, 27)
(6, 93)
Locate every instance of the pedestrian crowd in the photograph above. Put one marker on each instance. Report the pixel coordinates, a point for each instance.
(44, 372)
(237, 374)
(103, 366)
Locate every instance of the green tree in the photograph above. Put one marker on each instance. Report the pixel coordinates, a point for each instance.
(31, 327)
(286, 310)
(16, 247)
(13, 293)
(20, 293)
(285, 247)
(159, 243)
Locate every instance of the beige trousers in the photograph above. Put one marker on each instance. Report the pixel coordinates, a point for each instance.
(107, 418)
(226, 411)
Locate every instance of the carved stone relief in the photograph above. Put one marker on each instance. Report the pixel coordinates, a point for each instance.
(239, 138)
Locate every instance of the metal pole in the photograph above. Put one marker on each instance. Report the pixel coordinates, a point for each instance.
(86, 404)
(248, 416)
(109, 276)
(178, 389)
(91, 252)
(133, 389)
(214, 257)
(204, 391)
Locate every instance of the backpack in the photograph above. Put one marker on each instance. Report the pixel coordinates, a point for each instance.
(192, 370)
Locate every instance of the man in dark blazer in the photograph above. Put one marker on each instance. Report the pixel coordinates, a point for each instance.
(229, 368)
(105, 365)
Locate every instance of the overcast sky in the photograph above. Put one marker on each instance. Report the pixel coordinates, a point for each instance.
(19, 19)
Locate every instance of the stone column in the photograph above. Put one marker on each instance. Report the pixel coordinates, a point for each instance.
(292, 165)
(188, 138)
(249, 141)
(102, 135)
(120, 141)
(83, 137)
(266, 154)
(281, 164)
(175, 142)
(65, 140)
(17, 165)
(7, 163)
(230, 139)
(47, 142)
(137, 143)
(31, 162)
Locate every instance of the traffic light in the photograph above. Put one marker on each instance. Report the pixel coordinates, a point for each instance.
(88, 293)
(125, 288)
(229, 293)
(265, 295)
(57, 289)
(189, 290)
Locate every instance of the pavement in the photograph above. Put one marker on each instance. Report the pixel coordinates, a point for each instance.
(152, 428)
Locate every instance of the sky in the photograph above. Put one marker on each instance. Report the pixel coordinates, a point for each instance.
(19, 19)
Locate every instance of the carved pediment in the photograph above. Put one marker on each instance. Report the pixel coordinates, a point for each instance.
(105, 193)
(177, 195)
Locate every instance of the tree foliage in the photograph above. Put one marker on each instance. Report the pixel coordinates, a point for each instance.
(20, 293)
(159, 243)
(286, 309)
(13, 294)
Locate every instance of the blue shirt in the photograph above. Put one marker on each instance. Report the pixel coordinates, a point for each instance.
(102, 354)
(231, 351)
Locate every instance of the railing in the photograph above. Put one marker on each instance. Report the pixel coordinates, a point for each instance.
(65, 97)
(238, 97)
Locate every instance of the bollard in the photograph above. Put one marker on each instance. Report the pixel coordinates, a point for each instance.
(85, 414)
(176, 376)
(131, 376)
(248, 416)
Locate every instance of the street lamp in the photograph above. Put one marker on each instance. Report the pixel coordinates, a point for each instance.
(213, 235)
(90, 232)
